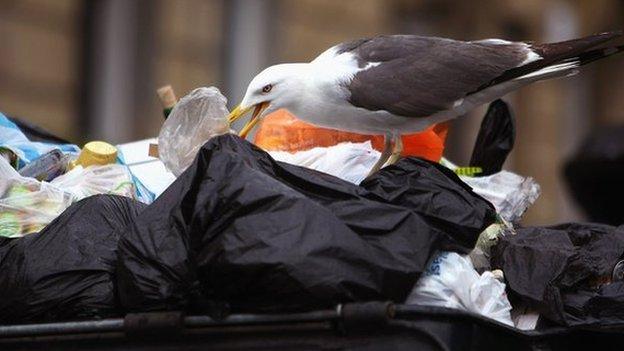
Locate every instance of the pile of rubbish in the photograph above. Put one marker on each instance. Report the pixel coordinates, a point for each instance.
(213, 224)
(53, 176)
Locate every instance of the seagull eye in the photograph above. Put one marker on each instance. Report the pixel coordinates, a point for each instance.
(267, 88)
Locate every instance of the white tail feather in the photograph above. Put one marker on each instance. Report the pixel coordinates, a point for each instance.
(560, 69)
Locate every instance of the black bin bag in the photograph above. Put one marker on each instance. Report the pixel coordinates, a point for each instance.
(66, 270)
(241, 228)
(495, 140)
(565, 272)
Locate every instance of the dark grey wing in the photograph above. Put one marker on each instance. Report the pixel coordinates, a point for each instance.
(419, 76)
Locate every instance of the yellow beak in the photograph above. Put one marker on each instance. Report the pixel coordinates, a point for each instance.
(239, 112)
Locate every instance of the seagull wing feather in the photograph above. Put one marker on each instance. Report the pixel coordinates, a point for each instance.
(417, 76)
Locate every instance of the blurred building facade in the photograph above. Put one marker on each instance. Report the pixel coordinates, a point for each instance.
(89, 69)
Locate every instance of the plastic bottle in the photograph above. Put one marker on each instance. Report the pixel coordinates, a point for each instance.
(47, 167)
(167, 98)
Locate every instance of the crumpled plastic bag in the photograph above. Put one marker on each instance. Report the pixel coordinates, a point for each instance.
(108, 179)
(566, 272)
(67, 270)
(451, 281)
(348, 161)
(511, 194)
(241, 228)
(197, 117)
(27, 205)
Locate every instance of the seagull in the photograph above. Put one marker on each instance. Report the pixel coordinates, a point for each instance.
(401, 84)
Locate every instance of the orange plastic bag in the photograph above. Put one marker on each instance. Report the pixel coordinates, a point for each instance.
(282, 131)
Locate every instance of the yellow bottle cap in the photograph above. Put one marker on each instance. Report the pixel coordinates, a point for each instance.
(96, 153)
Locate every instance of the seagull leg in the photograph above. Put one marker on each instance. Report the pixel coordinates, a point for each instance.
(385, 154)
(397, 148)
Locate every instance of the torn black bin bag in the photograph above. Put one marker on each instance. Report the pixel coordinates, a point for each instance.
(561, 272)
(66, 270)
(495, 140)
(241, 228)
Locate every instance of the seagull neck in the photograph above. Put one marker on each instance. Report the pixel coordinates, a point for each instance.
(301, 70)
(301, 77)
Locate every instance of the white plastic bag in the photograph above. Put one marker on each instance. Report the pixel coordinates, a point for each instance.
(27, 205)
(348, 161)
(108, 179)
(451, 281)
(197, 117)
(510, 193)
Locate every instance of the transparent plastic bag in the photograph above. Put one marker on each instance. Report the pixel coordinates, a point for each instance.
(451, 281)
(108, 179)
(197, 117)
(27, 205)
(348, 161)
(511, 194)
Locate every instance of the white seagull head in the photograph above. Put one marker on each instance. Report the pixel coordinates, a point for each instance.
(276, 87)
